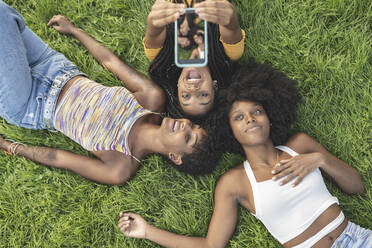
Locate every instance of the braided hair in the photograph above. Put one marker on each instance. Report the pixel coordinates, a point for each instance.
(165, 73)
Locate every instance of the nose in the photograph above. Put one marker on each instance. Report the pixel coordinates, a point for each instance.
(250, 119)
(186, 124)
(193, 86)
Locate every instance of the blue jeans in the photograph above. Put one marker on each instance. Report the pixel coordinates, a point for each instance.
(31, 74)
(354, 236)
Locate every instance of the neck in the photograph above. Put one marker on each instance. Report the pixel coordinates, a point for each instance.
(262, 154)
(148, 140)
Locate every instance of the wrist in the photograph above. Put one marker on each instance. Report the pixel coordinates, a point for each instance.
(322, 160)
(74, 30)
(153, 32)
(4, 145)
(147, 231)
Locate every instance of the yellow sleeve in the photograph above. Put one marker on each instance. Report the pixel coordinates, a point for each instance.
(150, 53)
(234, 51)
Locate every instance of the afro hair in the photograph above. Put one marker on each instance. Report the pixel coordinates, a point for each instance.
(260, 83)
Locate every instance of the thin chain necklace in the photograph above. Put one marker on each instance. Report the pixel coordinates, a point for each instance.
(277, 160)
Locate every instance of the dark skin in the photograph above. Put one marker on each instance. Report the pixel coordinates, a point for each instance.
(251, 127)
(149, 134)
(220, 12)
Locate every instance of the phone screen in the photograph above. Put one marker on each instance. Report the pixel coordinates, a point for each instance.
(191, 40)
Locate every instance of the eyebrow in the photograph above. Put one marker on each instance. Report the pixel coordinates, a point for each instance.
(254, 105)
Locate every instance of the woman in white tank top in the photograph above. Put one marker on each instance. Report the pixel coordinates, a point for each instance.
(280, 185)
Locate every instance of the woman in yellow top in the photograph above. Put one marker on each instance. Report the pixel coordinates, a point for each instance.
(191, 91)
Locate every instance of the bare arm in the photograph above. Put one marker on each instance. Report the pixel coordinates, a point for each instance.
(147, 92)
(313, 155)
(107, 171)
(162, 14)
(221, 227)
(224, 13)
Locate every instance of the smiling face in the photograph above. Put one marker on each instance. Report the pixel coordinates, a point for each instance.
(184, 27)
(249, 123)
(196, 90)
(179, 137)
(198, 39)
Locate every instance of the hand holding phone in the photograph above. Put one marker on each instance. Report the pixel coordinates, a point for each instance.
(220, 12)
(191, 40)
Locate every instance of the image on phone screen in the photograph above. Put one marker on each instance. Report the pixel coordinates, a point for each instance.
(191, 44)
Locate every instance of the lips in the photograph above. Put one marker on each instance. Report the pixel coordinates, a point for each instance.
(252, 128)
(193, 75)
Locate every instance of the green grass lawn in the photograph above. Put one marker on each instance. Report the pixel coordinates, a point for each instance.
(324, 44)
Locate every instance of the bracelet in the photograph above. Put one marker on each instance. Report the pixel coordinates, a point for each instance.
(12, 149)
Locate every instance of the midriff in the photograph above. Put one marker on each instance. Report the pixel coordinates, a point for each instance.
(323, 220)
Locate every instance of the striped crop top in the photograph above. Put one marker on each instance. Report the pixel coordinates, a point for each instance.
(97, 117)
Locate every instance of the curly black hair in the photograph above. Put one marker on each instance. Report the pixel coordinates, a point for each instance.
(260, 83)
(165, 73)
(204, 157)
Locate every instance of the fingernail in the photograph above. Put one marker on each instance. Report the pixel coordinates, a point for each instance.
(274, 178)
(281, 184)
(278, 164)
(273, 172)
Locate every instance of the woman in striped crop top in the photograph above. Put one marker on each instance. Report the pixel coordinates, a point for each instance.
(41, 89)
(282, 186)
(191, 91)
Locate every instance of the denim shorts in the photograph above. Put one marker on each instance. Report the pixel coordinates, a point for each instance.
(31, 73)
(48, 78)
(354, 236)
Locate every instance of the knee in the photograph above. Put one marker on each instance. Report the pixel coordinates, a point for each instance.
(8, 14)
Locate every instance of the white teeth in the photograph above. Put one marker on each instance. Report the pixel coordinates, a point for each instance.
(174, 125)
(192, 79)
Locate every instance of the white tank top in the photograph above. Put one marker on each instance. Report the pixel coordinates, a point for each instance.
(201, 53)
(287, 211)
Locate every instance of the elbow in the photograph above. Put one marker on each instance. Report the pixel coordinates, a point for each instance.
(120, 176)
(357, 191)
(358, 188)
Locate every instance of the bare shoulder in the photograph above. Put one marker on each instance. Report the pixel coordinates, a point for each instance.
(152, 99)
(302, 143)
(229, 182)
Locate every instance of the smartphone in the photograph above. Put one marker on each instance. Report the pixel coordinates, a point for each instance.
(190, 40)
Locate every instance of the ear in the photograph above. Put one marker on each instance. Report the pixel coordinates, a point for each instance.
(215, 85)
(176, 158)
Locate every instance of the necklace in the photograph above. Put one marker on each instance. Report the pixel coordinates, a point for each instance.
(276, 161)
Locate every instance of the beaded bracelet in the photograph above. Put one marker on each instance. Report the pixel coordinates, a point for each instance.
(12, 149)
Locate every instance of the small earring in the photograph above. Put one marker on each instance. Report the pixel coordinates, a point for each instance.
(271, 124)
